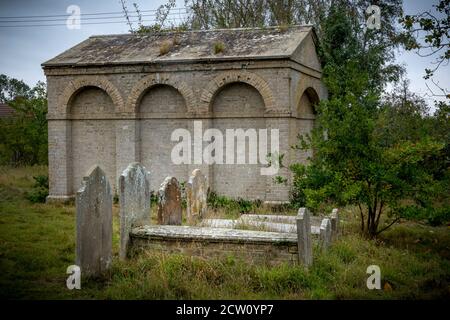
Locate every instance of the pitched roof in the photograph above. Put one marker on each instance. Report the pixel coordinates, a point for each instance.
(6, 110)
(188, 46)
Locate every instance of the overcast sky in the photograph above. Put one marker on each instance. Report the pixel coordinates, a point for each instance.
(23, 49)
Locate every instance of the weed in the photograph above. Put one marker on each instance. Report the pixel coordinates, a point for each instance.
(219, 47)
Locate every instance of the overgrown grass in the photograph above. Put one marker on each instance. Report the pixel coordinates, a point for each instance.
(37, 244)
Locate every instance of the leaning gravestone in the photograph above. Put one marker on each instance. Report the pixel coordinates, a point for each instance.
(304, 237)
(94, 223)
(325, 233)
(196, 194)
(169, 202)
(134, 199)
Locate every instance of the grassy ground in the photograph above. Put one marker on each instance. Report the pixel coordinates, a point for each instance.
(37, 244)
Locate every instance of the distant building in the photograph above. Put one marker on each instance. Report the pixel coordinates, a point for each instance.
(117, 99)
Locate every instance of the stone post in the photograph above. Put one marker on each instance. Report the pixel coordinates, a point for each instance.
(334, 224)
(325, 233)
(304, 237)
(94, 223)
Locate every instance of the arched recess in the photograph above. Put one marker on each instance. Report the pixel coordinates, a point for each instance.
(237, 99)
(308, 87)
(305, 117)
(306, 107)
(161, 99)
(92, 135)
(82, 82)
(161, 109)
(225, 78)
(146, 83)
(239, 105)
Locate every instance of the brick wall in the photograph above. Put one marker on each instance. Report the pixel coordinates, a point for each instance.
(261, 253)
(131, 113)
(93, 141)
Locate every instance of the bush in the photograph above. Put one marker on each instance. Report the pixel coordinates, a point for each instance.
(219, 47)
(245, 206)
(216, 201)
(165, 47)
(39, 192)
(434, 216)
(439, 216)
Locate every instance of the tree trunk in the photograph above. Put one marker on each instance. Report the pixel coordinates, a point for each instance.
(371, 223)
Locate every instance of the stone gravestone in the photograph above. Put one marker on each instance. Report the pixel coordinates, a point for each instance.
(94, 223)
(334, 224)
(196, 194)
(325, 233)
(134, 199)
(169, 202)
(304, 237)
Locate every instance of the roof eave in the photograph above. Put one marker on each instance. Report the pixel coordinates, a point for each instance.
(165, 61)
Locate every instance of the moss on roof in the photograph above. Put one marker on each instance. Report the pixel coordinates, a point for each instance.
(188, 46)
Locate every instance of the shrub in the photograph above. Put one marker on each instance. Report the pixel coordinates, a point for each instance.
(219, 47)
(39, 192)
(439, 216)
(216, 201)
(244, 206)
(165, 47)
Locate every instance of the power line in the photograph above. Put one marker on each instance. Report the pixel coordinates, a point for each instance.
(90, 18)
(86, 23)
(85, 14)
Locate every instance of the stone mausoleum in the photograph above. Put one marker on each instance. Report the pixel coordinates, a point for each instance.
(117, 99)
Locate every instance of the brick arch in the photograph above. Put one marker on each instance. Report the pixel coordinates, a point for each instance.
(100, 82)
(313, 97)
(313, 88)
(159, 79)
(232, 77)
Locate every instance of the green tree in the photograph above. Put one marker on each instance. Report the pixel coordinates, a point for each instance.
(354, 162)
(403, 116)
(11, 88)
(428, 34)
(24, 135)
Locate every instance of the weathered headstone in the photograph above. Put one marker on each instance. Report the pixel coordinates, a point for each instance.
(94, 223)
(334, 224)
(169, 202)
(134, 199)
(304, 237)
(325, 233)
(196, 195)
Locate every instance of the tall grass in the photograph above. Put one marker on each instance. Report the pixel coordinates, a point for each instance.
(37, 244)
